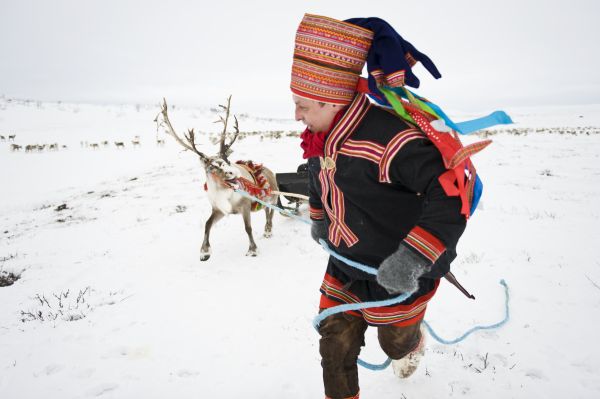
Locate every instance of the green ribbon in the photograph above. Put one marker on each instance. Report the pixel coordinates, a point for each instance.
(396, 104)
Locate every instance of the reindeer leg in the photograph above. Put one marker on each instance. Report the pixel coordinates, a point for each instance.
(269, 225)
(248, 226)
(215, 216)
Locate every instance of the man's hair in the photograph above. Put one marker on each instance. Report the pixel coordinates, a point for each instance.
(322, 104)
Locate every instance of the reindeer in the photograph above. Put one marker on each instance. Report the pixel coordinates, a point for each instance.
(12, 137)
(222, 177)
(119, 144)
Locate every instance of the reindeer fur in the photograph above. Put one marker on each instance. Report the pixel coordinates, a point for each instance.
(220, 177)
(224, 201)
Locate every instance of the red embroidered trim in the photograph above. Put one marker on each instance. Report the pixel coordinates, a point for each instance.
(317, 82)
(316, 213)
(331, 42)
(362, 149)
(355, 113)
(338, 229)
(425, 243)
(394, 79)
(410, 59)
(333, 293)
(393, 147)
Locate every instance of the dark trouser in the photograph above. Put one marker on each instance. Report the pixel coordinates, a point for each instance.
(342, 336)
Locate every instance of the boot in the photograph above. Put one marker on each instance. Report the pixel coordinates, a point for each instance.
(405, 367)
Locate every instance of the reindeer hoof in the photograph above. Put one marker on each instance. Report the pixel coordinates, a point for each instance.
(251, 252)
(204, 257)
(268, 234)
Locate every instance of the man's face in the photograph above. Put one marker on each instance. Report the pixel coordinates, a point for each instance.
(315, 115)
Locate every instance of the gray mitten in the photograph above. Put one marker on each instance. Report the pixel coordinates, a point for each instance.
(400, 272)
(318, 230)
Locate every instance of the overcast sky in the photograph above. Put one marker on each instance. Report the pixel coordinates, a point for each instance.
(492, 54)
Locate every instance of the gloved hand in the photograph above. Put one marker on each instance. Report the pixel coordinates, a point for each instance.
(400, 272)
(318, 230)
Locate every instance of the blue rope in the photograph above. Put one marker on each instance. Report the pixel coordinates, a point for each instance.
(476, 328)
(359, 266)
(363, 305)
(374, 367)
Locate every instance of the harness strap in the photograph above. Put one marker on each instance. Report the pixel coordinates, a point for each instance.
(258, 186)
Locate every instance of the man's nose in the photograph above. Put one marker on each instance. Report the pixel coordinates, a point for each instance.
(297, 115)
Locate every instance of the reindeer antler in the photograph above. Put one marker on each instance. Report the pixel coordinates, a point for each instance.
(225, 149)
(190, 136)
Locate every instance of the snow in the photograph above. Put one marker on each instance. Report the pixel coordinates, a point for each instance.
(141, 316)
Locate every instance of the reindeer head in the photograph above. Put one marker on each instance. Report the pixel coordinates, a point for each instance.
(222, 169)
(217, 165)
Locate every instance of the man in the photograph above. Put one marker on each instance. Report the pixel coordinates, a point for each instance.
(375, 192)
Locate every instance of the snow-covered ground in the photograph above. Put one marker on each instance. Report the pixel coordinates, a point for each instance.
(113, 302)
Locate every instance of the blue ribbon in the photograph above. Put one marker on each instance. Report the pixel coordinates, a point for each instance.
(466, 127)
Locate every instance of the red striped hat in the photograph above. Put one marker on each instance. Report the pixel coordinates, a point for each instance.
(329, 56)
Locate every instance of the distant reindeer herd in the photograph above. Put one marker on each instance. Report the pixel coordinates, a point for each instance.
(135, 142)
